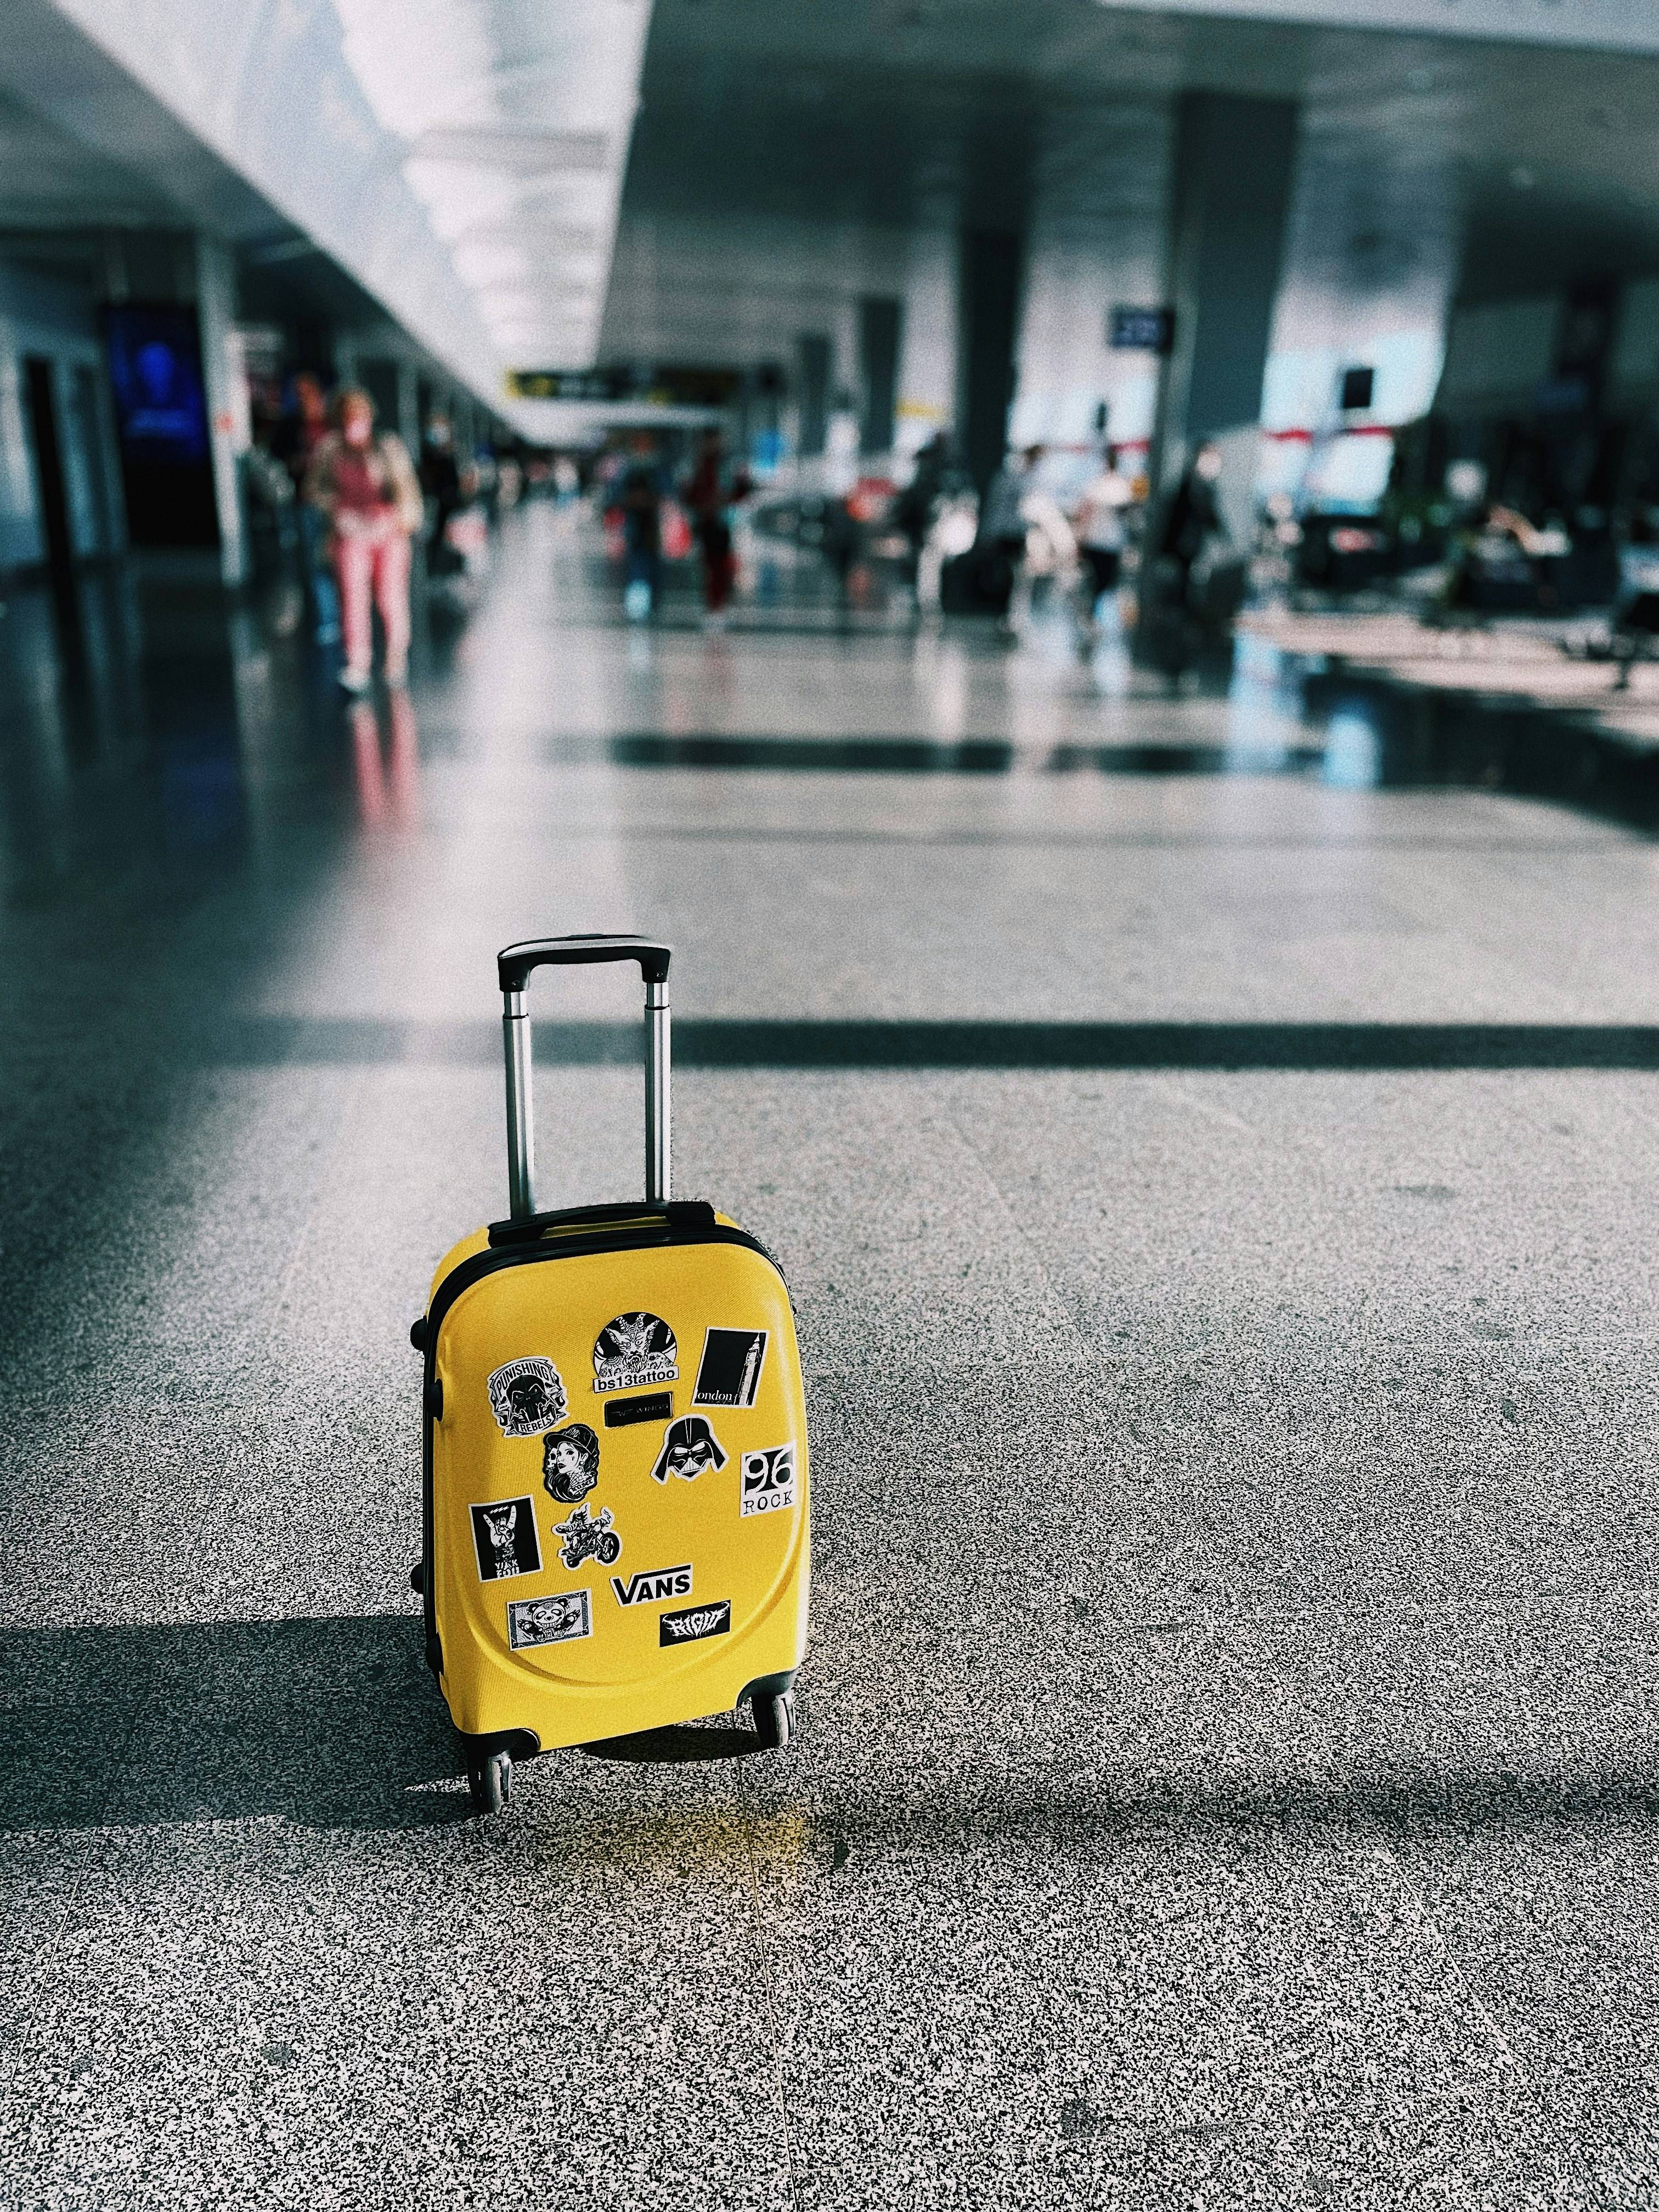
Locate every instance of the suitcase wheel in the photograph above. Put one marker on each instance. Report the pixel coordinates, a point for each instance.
(490, 1781)
(775, 1720)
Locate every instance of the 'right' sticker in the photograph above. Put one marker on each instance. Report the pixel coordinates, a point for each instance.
(768, 1481)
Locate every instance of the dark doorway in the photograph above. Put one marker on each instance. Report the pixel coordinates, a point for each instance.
(57, 544)
(880, 324)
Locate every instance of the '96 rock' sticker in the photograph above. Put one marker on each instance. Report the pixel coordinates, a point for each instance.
(527, 1397)
(768, 1481)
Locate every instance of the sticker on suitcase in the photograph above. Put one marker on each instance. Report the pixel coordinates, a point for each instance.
(504, 1537)
(570, 1463)
(536, 1620)
(653, 1586)
(690, 1448)
(694, 1623)
(635, 1350)
(768, 1481)
(527, 1396)
(730, 1369)
(586, 1540)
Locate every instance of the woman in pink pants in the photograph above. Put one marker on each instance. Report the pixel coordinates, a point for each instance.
(367, 488)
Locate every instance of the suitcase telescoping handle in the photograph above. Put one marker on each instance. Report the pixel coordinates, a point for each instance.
(514, 968)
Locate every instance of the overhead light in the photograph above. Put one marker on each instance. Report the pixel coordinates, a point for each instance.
(517, 152)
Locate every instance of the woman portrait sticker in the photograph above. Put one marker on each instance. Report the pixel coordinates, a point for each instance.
(570, 1462)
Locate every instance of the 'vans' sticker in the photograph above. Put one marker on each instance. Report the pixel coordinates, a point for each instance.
(528, 1397)
(570, 1462)
(768, 1480)
(589, 1540)
(694, 1623)
(622, 1412)
(730, 1369)
(653, 1586)
(504, 1537)
(690, 1448)
(558, 1619)
(633, 1350)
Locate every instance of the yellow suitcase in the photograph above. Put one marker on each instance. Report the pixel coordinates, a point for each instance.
(616, 1468)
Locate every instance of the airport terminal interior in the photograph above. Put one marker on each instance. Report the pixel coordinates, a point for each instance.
(1092, 571)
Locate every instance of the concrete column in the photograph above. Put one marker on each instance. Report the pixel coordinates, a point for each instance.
(992, 273)
(409, 409)
(215, 312)
(1230, 195)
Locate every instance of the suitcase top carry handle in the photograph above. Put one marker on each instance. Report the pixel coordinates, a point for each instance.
(515, 966)
(518, 962)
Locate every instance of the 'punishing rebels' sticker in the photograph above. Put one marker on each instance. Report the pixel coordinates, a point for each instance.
(731, 1371)
(527, 1397)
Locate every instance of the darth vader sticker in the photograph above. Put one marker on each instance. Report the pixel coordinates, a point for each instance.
(690, 1448)
(527, 1396)
(504, 1537)
(635, 1350)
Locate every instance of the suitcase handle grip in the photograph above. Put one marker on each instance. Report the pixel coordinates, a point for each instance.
(514, 966)
(518, 962)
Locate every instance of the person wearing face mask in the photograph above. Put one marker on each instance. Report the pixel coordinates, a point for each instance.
(366, 486)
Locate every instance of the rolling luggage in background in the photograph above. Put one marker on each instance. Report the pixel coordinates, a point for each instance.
(980, 581)
(616, 1472)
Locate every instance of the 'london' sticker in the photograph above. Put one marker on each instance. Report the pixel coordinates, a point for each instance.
(528, 1397)
(694, 1623)
(635, 1350)
(560, 1619)
(589, 1540)
(652, 1585)
(570, 1462)
(690, 1448)
(504, 1537)
(768, 1480)
(731, 1369)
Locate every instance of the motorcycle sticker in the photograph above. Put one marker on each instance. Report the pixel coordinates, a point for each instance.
(623, 1412)
(527, 1396)
(731, 1369)
(768, 1481)
(560, 1619)
(690, 1448)
(634, 1350)
(589, 1540)
(652, 1585)
(570, 1462)
(696, 1622)
(504, 1538)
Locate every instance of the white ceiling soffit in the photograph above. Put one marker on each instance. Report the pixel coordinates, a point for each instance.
(1620, 26)
(516, 117)
(463, 159)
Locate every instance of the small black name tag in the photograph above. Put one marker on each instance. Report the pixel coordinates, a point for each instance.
(622, 1413)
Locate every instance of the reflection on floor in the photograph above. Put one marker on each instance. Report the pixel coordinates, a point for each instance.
(1207, 1137)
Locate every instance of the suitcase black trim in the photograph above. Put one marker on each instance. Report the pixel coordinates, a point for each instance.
(691, 1223)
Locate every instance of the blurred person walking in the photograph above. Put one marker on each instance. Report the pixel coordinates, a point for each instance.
(440, 481)
(710, 497)
(1002, 521)
(1103, 534)
(640, 497)
(366, 486)
(295, 443)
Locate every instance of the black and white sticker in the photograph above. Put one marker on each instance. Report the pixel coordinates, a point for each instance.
(527, 1396)
(504, 1537)
(695, 1623)
(625, 1412)
(633, 1351)
(652, 1585)
(690, 1448)
(730, 1369)
(570, 1462)
(768, 1480)
(584, 1540)
(560, 1619)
